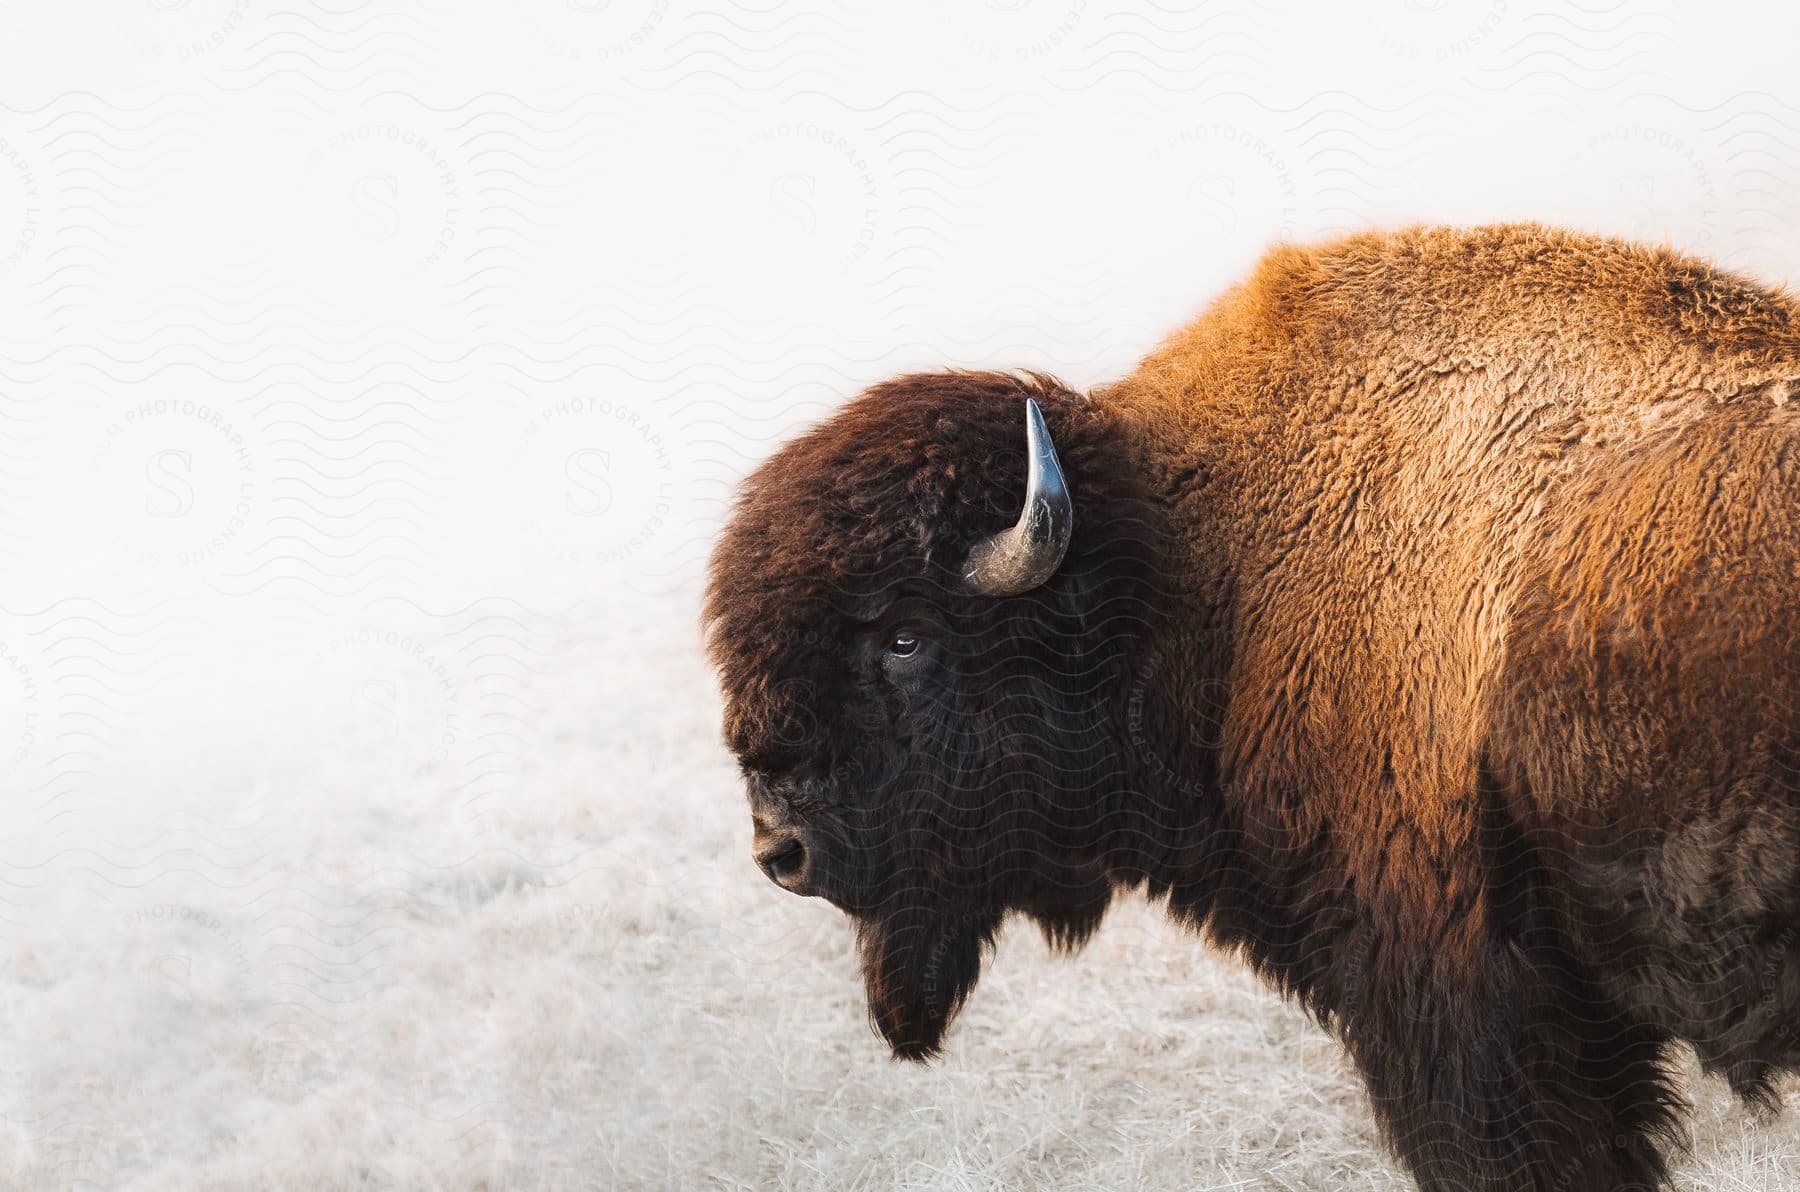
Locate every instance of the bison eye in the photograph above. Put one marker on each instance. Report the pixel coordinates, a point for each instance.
(904, 645)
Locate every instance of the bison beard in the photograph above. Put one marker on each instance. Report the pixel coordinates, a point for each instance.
(921, 959)
(919, 963)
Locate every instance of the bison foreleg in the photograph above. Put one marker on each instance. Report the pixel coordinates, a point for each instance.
(1495, 1068)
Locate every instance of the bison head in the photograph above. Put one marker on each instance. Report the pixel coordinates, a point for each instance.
(924, 614)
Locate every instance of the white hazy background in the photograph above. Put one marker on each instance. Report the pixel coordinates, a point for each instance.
(374, 380)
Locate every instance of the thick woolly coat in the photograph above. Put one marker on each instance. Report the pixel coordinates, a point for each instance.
(1459, 690)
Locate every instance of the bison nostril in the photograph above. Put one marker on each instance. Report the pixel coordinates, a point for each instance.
(783, 862)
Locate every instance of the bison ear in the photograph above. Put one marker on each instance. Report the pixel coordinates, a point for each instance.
(1020, 558)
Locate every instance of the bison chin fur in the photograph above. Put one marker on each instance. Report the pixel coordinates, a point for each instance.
(921, 959)
(918, 965)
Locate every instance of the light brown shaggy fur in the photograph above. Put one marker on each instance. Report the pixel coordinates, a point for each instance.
(1520, 499)
(1409, 440)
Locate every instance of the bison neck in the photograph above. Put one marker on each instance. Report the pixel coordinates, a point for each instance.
(1193, 823)
(1177, 831)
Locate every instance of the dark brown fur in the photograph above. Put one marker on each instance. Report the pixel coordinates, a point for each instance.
(1428, 636)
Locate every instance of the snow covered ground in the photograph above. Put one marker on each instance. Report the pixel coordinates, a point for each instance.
(375, 379)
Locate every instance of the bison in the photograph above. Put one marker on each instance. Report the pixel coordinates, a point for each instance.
(1419, 623)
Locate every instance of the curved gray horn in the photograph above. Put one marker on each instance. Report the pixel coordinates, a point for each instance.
(1019, 559)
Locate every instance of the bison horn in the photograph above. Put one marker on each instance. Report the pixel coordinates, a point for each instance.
(1019, 559)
